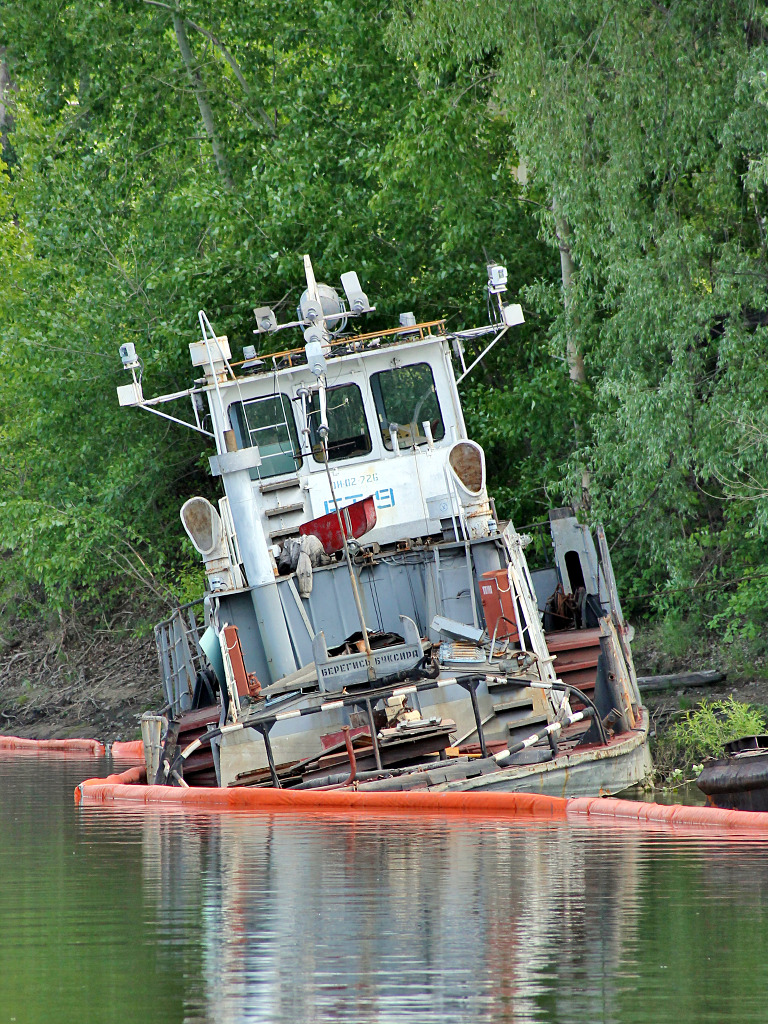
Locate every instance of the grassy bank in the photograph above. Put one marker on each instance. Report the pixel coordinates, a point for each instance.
(690, 725)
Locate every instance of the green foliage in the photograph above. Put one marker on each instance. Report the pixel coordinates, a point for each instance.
(120, 228)
(701, 733)
(412, 144)
(645, 127)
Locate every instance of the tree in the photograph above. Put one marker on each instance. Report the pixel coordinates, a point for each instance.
(134, 204)
(645, 125)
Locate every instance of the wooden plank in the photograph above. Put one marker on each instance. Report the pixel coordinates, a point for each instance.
(279, 485)
(680, 680)
(570, 639)
(277, 534)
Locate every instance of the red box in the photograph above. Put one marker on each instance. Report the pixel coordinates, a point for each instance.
(498, 604)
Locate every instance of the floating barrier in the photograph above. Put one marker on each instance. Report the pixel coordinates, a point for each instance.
(130, 750)
(80, 746)
(129, 786)
(528, 805)
(668, 814)
(130, 777)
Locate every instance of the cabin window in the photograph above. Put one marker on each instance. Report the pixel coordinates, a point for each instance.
(405, 398)
(269, 424)
(348, 434)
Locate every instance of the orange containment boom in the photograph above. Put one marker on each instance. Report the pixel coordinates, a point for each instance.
(129, 786)
(130, 750)
(598, 808)
(504, 805)
(80, 746)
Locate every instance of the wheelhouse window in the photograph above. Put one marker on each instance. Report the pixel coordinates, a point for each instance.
(267, 423)
(348, 434)
(405, 398)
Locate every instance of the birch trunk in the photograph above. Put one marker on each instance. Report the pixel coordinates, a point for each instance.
(573, 354)
(193, 72)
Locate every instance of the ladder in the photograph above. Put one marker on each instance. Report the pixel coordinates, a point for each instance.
(527, 609)
(180, 656)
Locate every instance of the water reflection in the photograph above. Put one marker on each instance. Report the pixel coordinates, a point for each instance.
(354, 919)
(162, 916)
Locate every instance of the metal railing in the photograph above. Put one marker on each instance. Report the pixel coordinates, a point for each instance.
(180, 655)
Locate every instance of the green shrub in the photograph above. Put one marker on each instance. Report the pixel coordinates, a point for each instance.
(701, 733)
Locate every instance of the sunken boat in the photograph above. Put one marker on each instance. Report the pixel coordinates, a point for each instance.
(368, 620)
(738, 781)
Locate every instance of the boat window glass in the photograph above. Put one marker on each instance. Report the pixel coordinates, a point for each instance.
(348, 434)
(269, 424)
(405, 397)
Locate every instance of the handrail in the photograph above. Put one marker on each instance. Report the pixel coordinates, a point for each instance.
(354, 339)
(470, 682)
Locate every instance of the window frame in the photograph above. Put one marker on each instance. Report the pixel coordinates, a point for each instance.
(240, 408)
(312, 418)
(379, 405)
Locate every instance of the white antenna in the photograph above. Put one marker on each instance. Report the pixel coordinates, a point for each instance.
(313, 308)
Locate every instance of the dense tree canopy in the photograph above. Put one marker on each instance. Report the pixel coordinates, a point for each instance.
(164, 157)
(131, 204)
(645, 127)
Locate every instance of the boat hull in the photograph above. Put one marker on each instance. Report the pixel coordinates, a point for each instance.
(595, 771)
(737, 783)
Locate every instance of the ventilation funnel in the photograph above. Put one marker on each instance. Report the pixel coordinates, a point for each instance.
(467, 463)
(206, 531)
(466, 469)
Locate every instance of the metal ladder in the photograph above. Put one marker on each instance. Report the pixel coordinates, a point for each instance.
(180, 656)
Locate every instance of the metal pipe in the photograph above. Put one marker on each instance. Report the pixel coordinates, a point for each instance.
(175, 419)
(476, 711)
(549, 731)
(264, 730)
(450, 498)
(374, 737)
(484, 353)
(267, 606)
(393, 439)
(471, 575)
(470, 683)
(205, 323)
(352, 575)
(337, 779)
(501, 618)
(352, 758)
(352, 765)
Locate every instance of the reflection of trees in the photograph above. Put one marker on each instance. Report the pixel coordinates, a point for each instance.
(353, 919)
(703, 921)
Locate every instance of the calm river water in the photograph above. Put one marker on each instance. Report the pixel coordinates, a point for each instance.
(148, 916)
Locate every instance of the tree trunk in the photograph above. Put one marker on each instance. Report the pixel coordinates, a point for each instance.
(5, 95)
(193, 71)
(574, 356)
